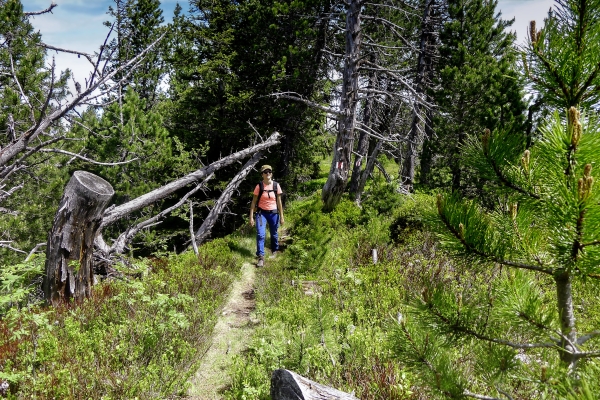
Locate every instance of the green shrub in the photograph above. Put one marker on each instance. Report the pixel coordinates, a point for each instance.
(133, 339)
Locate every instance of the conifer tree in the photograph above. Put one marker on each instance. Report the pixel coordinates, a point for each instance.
(29, 89)
(228, 59)
(477, 85)
(522, 334)
(137, 23)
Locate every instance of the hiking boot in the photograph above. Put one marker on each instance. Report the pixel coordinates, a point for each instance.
(261, 262)
(275, 254)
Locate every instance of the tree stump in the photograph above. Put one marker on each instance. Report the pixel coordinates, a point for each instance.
(287, 385)
(69, 254)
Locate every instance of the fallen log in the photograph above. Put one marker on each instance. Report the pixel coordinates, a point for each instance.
(204, 231)
(287, 385)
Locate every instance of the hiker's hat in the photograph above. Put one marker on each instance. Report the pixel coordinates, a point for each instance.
(265, 167)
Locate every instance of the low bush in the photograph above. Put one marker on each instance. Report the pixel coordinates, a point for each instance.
(326, 309)
(135, 338)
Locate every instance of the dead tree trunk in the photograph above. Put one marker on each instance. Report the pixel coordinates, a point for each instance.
(204, 230)
(287, 385)
(366, 172)
(69, 254)
(116, 213)
(363, 140)
(424, 62)
(342, 152)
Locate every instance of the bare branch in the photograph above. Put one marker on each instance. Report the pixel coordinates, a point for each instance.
(204, 231)
(6, 245)
(394, 7)
(34, 250)
(31, 150)
(587, 336)
(14, 75)
(114, 214)
(418, 96)
(194, 244)
(68, 153)
(47, 10)
(102, 47)
(5, 194)
(394, 28)
(9, 152)
(479, 396)
(119, 246)
(79, 53)
(297, 97)
(4, 210)
(588, 354)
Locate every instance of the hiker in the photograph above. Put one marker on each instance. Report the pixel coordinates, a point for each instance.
(269, 211)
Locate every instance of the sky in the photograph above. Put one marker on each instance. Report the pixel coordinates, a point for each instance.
(77, 25)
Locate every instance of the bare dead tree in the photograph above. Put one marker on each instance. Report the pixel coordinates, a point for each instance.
(344, 143)
(425, 61)
(374, 45)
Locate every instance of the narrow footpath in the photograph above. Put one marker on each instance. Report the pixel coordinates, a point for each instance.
(230, 336)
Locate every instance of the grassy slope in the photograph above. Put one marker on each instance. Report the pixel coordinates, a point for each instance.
(325, 310)
(328, 313)
(136, 338)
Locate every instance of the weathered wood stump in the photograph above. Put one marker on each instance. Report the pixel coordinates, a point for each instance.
(69, 254)
(287, 385)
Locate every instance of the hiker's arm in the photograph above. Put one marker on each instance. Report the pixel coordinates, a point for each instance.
(280, 209)
(252, 208)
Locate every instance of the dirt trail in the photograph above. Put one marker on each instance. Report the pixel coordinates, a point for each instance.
(231, 335)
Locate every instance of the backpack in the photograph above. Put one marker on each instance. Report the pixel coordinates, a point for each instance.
(261, 189)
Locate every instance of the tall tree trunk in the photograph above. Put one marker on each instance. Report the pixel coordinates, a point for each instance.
(69, 254)
(423, 65)
(342, 151)
(427, 152)
(363, 140)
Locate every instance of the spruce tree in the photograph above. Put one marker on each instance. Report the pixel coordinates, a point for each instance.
(477, 85)
(517, 325)
(137, 23)
(229, 58)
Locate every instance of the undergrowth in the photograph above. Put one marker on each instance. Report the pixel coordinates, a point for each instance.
(330, 313)
(326, 308)
(135, 338)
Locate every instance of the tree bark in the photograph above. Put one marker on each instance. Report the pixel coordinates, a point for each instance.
(366, 172)
(407, 173)
(427, 151)
(204, 231)
(342, 152)
(145, 200)
(564, 298)
(363, 140)
(69, 254)
(287, 385)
